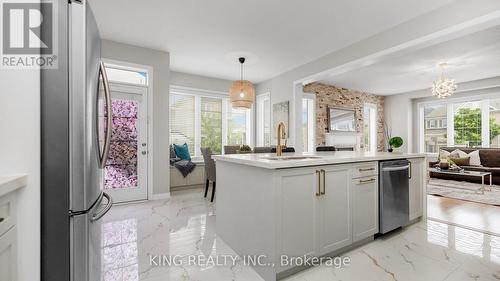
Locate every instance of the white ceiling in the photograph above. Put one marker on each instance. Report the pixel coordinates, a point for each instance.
(472, 57)
(205, 37)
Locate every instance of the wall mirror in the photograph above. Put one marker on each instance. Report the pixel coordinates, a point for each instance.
(341, 119)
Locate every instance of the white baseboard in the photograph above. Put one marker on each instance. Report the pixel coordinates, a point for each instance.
(160, 196)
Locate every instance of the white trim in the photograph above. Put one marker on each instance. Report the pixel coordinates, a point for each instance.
(485, 123)
(450, 126)
(225, 111)
(174, 89)
(160, 196)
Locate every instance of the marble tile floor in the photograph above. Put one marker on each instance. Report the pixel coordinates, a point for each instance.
(134, 234)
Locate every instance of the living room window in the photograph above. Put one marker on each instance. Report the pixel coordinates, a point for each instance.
(308, 122)
(434, 137)
(263, 112)
(461, 123)
(206, 119)
(467, 124)
(370, 127)
(494, 125)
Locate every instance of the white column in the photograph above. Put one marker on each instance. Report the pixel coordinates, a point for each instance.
(450, 124)
(485, 123)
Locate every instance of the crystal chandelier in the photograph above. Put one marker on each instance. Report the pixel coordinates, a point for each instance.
(443, 87)
(242, 92)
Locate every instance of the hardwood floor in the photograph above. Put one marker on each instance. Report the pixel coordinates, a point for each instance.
(477, 216)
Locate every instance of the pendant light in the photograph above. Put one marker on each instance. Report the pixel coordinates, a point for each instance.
(242, 92)
(443, 87)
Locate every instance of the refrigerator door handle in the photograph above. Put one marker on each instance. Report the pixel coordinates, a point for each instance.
(100, 213)
(109, 109)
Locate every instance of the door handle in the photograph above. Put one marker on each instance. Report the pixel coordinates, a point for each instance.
(103, 211)
(366, 181)
(409, 170)
(366, 169)
(2, 219)
(109, 108)
(318, 174)
(324, 182)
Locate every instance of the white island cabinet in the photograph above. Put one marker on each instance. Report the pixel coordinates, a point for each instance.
(304, 205)
(416, 193)
(8, 243)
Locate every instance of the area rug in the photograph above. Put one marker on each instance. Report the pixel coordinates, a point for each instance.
(464, 191)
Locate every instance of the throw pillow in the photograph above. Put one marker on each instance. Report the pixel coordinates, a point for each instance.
(443, 154)
(182, 151)
(457, 153)
(461, 161)
(475, 160)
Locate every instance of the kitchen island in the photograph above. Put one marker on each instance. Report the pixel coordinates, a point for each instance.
(304, 205)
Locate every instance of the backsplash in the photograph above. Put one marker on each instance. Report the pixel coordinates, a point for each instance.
(328, 95)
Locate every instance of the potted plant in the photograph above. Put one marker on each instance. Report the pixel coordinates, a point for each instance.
(245, 149)
(395, 142)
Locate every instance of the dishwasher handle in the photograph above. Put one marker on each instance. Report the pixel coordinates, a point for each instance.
(399, 168)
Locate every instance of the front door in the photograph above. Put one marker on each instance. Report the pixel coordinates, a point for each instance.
(125, 173)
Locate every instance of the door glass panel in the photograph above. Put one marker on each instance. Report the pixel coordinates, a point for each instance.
(102, 116)
(121, 167)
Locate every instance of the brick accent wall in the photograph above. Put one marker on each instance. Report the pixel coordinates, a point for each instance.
(328, 95)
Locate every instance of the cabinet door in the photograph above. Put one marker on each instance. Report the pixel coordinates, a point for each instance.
(297, 198)
(365, 207)
(416, 192)
(8, 255)
(335, 229)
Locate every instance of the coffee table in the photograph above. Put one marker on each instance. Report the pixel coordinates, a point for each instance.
(481, 175)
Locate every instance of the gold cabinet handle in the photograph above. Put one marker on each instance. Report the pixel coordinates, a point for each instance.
(366, 169)
(324, 182)
(319, 183)
(366, 181)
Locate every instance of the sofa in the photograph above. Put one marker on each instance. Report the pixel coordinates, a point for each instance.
(490, 162)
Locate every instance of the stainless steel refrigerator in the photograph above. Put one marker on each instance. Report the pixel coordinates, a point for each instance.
(76, 132)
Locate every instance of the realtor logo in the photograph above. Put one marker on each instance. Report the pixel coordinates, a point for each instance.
(28, 35)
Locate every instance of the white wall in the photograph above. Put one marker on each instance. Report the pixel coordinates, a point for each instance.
(398, 117)
(199, 82)
(20, 153)
(160, 62)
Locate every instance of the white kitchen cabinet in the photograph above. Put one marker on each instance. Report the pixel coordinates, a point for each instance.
(334, 208)
(365, 207)
(315, 210)
(8, 221)
(416, 192)
(8, 256)
(299, 212)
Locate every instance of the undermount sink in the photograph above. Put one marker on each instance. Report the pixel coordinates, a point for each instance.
(281, 158)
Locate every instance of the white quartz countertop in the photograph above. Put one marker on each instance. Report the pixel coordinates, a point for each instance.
(9, 183)
(288, 160)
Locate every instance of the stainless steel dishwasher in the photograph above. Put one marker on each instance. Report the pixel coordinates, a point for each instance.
(394, 203)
